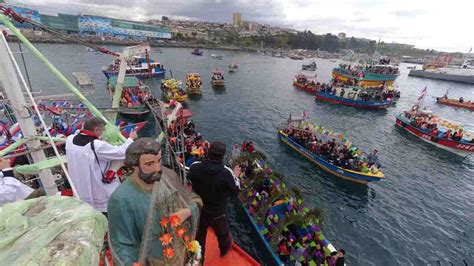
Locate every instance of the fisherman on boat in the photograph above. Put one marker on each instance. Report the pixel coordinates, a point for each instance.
(89, 159)
(152, 193)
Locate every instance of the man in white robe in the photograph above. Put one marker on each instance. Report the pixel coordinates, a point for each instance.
(89, 159)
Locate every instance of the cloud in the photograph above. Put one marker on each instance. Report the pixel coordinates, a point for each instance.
(409, 13)
(425, 23)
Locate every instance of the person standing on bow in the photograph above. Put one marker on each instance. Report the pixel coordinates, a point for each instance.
(89, 159)
(214, 183)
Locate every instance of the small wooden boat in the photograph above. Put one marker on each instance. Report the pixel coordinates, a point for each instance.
(233, 68)
(296, 57)
(197, 52)
(193, 84)
(311, 67)
(172, 90)
(355, 97)
(215, 56)
(217, 79)
(363, 176)
(304, 83)
(134, 95)
(457, 103)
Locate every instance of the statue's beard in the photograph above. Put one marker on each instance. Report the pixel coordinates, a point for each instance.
(149, 178)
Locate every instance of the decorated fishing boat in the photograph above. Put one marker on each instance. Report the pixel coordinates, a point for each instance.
(311, 66)
(349, 162)
(368, 75)
(197, 52)
(134, 95)
(138, 66)
(172, 90)
(193, 84)
(461, 103)
(288, 231)
(359, 97)
(435, 130)
(217, 78)
(305, 83)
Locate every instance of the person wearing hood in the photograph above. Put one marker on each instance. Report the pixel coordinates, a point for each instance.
(214, 183)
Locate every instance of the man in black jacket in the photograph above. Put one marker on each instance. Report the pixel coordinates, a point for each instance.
(214, 183)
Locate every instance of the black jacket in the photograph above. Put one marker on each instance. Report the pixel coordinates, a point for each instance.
(213, 182)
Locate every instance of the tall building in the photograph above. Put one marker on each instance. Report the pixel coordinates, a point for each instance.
(237, 20)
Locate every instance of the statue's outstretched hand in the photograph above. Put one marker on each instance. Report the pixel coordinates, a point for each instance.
(183, 214)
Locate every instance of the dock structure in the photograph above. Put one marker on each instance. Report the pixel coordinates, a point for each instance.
(83, 81)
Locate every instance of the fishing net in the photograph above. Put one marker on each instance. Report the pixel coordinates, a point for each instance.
(51, 231)
(168, 196)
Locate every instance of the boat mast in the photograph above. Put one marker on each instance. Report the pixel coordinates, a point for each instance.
(10, 79)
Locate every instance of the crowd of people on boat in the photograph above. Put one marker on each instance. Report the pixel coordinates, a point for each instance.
(217, 76)
(364, 94)
(428, 124)
(132, 97)
(334, 152)
(359, 71)
(293, 243)
(193, 82)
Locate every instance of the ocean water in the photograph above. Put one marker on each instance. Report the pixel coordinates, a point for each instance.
(422, 214)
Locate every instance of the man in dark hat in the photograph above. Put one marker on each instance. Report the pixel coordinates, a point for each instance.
(214, 183)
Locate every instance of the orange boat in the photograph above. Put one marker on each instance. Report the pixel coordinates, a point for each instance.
(236, 256)
(457, 103)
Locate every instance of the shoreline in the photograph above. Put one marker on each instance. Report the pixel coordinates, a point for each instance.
(50, 40)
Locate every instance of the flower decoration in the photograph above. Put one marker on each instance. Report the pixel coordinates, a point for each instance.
(166, 239)
(175, 220)
(180, 232)
(193, 246)
(168, 253)
(164, 222)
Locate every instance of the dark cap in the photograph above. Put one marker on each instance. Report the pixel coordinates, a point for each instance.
(216, 151)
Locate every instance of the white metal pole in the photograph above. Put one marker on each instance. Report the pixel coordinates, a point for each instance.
(14, 93)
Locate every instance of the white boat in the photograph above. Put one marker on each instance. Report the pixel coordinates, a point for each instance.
(463, 73)
(216, 56)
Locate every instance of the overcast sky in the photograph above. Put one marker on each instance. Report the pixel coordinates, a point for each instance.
(442, 25)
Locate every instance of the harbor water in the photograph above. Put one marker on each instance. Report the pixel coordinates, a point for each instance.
(422, 214)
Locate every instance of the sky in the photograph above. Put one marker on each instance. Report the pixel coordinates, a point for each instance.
(444, 25)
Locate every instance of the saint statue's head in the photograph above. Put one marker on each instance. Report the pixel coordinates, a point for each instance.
(144, 156)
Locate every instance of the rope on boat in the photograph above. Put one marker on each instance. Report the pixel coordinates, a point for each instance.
(43, 123)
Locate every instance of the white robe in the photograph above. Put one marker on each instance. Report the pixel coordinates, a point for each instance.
(11, 190)
(85, 173)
